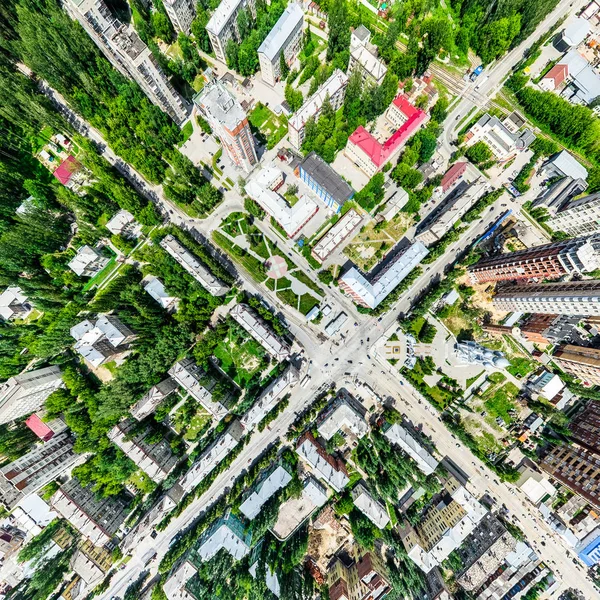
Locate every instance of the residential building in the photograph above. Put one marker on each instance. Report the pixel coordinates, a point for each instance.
(212, 456)
(271, 579)
(563, 298)
(97, 519)
(534, 483)
(329, 469)
(156, 459)
(11, 539)
(422, 87)
(227, 533)
(564, 164)
(585, 427)
(123, 223)
(14, 304)
(35, 469)
(175, 585)
(32, 514)
(195, 382)
(336, 235)
(228, 122)
(548, 261)
(559, 194)
(270, 397)
(501, 141)
(451, 516)
(369, 154)
(370, 291)
(442, 219)
(583, 82)
(91, 563)
(285, 38)
(101, 340)
(371, 508)
(324, 182)
(554, 78)
(580, 216)
(394, 204)
(45, 430)
(589, 549)
(26, 392)
(260, 331)
(549, 329)
(181, 13)
(223, 27)
(363, 57)
(344, 414)
(147, 404)
(360, 578)
(155, 288)
(334, 89)
(402, 437)
(87, 262)
(70, 173)
(547, 385)
(453, 175)
(292, 218)
(581, 362)
(574, 33)
(128, 54)
(270, 483)
(193, 266)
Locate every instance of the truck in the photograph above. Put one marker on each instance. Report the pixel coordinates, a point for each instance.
(481, 81)
(476, 73)
(148, 557)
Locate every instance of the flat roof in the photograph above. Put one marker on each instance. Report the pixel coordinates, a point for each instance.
(222, 15)
(327, 178)
(215, 99)
(288, 22)
(336, 235)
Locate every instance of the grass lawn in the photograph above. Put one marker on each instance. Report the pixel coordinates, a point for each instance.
(240, 361)
(41, 139)
(501, 400)
(196, 426)
(186, 132)
(198, 83)
(472, 380)
(272, 127)
(99, 278)
(142, 482)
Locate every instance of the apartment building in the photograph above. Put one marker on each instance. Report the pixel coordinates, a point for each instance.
(360, 578)
(548, 261)
(345, 414)
(123, 223)
(329, 469)
(585, 427)
(579, 361)
(147, 404)
(229, 123)
(128, 54)
(363, 57)
(260, 331)
(91, 563)
(195, 382)
(227, 533)
(181, 13)
(155, 288)
(334, 89)
(35, 469)
(97, 519)
(156, 459)
(563, 298)
(45, 430)
(26, 392)
(370, 291)
(269, 484)
(555, 197)
(371, 508)
(223, 27)
(87, 262)
(193, 266)
(453, 175)
(336, 235)
(404, 439)
(549, 329)
(578, 217)
(14, 304)
(285, 38)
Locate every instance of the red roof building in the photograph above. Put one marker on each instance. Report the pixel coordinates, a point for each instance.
(452, 175)
(554, 77)
(67, 169)
(40, 428)
(369, 154)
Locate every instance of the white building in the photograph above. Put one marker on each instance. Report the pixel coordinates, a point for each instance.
(174, 587)
(154, 286)
(396, 201)
(336, 235)
(325, 466)
(269, 398)
(228, 122)
(564, 164)
(265, 489)
(181, 13)
(500, 140)
(123, 223)
(229, 534)
(373, 510)
(98, 342)
(212, 456)
(258, 329)
(291, 218)
(580, 216)
(32, 514)
(222, 25)
(193, 266)
(13, 304)
(471, 353)
(26, 392)
(345, 413)
(547, 385)
(371, 293)
(400, 436)
(147, 404)
(87, 262)
(363, 57)
(128, 54)
(193, 380)
(534, 483)
(286, 38)
(334, 88)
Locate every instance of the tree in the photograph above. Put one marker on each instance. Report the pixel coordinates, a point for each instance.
(293, 97)
(283, 66)
(339, 30)
(479, 153)
(439, 112)
(436, 33)
(232, 55)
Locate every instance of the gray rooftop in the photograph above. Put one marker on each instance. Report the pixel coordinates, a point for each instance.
(327, 178)
(216, 100)
(288, 22)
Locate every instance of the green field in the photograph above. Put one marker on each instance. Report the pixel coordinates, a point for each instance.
(271, 127)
